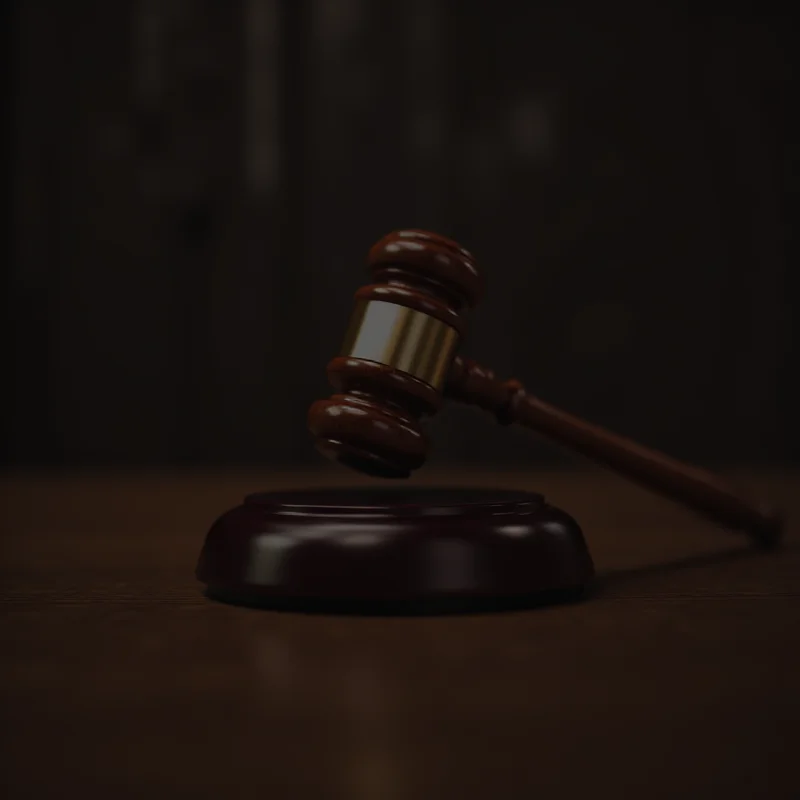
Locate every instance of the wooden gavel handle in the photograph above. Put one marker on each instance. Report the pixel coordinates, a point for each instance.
(695, 488)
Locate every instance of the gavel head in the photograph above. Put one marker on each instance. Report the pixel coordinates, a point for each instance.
(397, 353)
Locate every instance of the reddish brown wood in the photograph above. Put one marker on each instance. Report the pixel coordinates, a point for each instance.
(372, 424)
(693, 487)
(443, 266)
(397, 549)
(118, 679)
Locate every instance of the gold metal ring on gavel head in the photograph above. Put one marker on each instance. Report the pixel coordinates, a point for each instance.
(402, 338)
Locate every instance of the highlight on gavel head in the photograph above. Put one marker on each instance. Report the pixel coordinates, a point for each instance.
(398, 350)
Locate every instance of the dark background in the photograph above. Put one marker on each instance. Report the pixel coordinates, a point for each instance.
(196, 183)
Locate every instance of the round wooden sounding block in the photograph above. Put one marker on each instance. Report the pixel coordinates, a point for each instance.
(395, 550)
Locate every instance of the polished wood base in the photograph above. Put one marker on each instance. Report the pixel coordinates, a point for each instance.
(395, 550)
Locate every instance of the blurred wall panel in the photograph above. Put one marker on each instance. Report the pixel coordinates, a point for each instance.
(197, 184)
(192, 177)
(621, 282)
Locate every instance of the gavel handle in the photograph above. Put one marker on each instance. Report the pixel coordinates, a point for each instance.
(695, 488)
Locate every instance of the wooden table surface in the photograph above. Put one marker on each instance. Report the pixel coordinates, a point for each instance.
(678, 679)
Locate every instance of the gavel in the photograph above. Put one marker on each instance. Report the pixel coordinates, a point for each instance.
(399, 362)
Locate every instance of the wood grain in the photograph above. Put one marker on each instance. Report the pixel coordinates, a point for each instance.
(119, 679)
